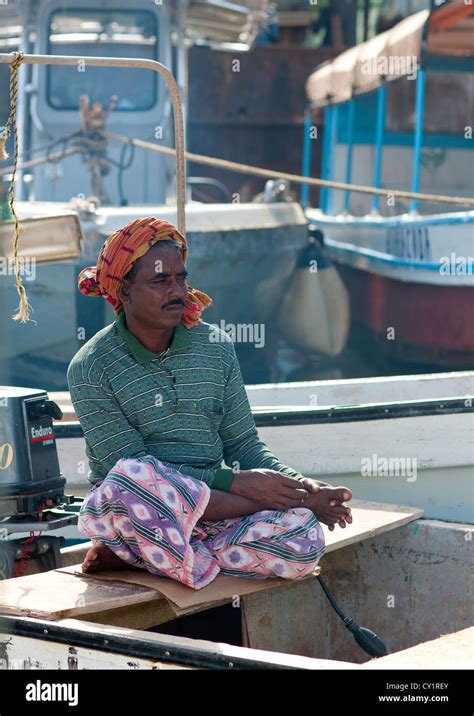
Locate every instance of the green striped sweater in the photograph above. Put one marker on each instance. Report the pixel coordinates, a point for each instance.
(186, 406)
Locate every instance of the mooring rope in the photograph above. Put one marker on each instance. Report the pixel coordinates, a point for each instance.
(24, 308)
(257, 171)
(296, 178)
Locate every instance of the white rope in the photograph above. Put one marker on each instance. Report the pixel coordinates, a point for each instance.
(296, 178)
(256, 171)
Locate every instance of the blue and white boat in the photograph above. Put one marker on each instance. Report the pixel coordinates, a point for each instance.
(398, 115)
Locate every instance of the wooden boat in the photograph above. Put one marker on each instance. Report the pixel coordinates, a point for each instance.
(392, 570)
(411, 538)
(408, 268)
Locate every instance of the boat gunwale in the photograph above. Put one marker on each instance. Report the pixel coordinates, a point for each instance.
(132, 646)
(304, 415)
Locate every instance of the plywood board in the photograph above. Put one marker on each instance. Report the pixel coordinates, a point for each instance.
(222, 589)
(370, 519)
(54, 595)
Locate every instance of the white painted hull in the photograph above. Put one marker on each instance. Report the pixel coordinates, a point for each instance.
(362, 391)
(436, 249)
(411, 282)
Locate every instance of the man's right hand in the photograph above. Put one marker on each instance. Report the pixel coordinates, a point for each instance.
(270, 489)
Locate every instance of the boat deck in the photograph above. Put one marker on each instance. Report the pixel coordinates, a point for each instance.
(137, 599)
(389, 570)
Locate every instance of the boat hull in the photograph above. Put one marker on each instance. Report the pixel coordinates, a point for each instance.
(416, 323)
(411, 282)
(240, 255)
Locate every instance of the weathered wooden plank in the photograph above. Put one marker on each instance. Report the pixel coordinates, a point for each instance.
(222, 589)
(370, 519)
(135, 616)
(54, 595)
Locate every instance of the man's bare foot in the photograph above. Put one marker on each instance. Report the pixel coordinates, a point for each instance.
(326, 502)
(100, 558)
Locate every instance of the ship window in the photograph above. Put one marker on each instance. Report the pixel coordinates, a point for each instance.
(105, 33)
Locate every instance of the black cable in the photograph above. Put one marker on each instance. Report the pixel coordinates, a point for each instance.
(46, 147)
(331, 599)
(123, 166)
(365, 638)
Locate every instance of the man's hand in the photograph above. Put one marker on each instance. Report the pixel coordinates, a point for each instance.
(326, 502)
(270, 489)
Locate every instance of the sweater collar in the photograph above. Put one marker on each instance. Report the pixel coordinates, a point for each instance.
(181, 339)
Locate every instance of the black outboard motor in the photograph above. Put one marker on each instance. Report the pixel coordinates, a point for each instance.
(32, 495)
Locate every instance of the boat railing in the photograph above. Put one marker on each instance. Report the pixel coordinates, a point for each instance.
(337, 84)
(133, 63)
(330, 140)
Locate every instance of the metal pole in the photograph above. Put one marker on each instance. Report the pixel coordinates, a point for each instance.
(366, 19)
(22, 98)
(306, 168)
(350, 146)
(379, 134)
(182, 69)
(330, 126)
(139, 64)
(331, 155)
(418, 145)
(323, 190)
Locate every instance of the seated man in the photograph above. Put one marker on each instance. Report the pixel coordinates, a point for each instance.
(161, 401)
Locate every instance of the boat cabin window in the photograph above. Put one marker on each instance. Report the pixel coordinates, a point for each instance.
(110, 33)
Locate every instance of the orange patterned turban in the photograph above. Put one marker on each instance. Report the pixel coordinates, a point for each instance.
(120, 252)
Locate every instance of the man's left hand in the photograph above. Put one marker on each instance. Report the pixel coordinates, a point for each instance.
(326, 502)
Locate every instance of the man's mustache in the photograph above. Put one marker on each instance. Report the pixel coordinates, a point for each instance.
(176, 302)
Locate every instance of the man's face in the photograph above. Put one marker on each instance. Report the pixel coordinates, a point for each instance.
(156, 296)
